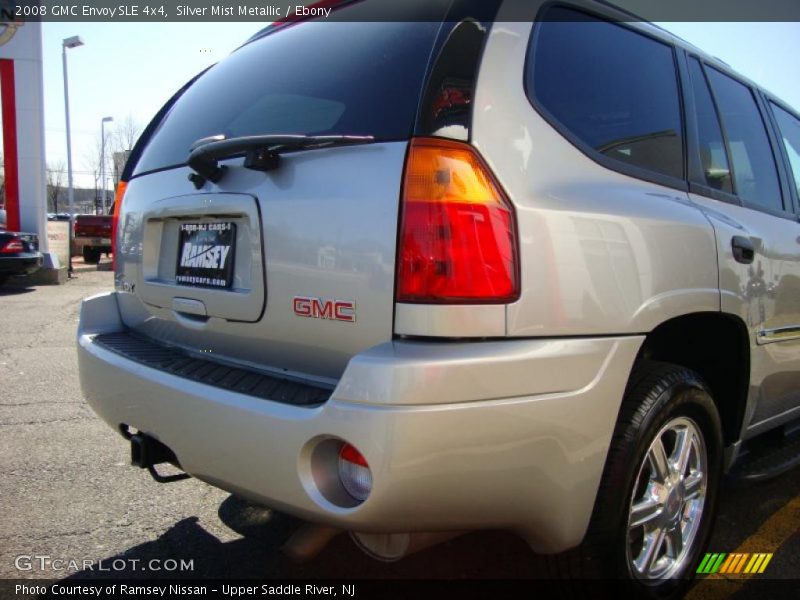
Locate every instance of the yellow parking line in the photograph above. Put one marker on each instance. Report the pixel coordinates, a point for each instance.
(767, 539)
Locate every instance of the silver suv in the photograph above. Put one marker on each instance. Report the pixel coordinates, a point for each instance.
(466, 271)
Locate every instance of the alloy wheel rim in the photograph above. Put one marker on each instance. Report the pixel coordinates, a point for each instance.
(667, 502)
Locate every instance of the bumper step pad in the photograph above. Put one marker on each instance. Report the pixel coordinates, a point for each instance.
(234, 379)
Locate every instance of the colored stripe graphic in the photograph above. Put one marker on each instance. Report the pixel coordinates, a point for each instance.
(771, 535)
(758, 563)
(726, 566)
(734, 563)
(711, 563)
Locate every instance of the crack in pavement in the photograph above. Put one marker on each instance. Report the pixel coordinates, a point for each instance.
(84, 532)
(86, 418)
(79, 402)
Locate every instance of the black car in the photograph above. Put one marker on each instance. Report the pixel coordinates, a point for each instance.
(19, 252)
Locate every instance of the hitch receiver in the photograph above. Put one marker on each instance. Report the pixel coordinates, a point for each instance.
(147, 452)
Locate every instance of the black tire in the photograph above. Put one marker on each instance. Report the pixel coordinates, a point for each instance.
(3, 279)
(672, 403)
(91, 256)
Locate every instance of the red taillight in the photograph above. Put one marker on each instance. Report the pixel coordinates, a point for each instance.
(458, 241)
(11, 246)
(121, 187)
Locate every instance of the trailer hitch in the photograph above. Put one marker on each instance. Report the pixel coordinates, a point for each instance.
(147, 452)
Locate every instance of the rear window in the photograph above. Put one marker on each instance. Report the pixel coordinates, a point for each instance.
(754, 173)
(790, 133)
(612, 89)
(314, 78)
(710, 143)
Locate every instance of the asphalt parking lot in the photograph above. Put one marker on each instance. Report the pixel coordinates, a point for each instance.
(68, 492)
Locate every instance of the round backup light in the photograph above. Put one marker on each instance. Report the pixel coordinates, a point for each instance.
(354, 472)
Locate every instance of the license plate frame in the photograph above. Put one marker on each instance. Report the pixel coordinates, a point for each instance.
(206, 254)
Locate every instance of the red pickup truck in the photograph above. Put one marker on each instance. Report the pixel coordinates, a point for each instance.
(92, 236)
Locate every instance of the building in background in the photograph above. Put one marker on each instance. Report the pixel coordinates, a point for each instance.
(119, 159)
(22, 103)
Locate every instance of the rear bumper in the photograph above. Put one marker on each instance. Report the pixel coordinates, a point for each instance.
(20, 265)
(91, 242)
(459, 436)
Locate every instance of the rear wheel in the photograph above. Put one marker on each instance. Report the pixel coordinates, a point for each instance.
(666, 508)
(91, 256)
(656, 502)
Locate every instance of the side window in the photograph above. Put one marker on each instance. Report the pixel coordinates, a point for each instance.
(754, 172)
(790, 132)
(612, 88)
(713, 155)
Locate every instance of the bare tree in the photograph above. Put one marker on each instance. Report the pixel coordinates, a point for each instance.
(92, 160)
(122, 141)
(55, 188)
(125, 134)
(119, 141)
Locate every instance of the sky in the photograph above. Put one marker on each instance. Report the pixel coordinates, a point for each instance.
(122, 69)
(133, 68)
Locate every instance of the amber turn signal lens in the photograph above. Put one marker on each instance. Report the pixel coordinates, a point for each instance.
(458, 241)
(121, 187)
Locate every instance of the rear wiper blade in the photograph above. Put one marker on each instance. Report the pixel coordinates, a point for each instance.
(262, 152)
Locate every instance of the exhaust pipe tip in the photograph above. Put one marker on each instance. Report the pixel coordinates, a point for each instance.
(308, 541)
(385, 547)
(391, 547)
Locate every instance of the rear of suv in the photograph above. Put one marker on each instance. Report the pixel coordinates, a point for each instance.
(482, 266)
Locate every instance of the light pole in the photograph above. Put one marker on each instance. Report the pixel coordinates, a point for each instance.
(70, 42)
(103, 159)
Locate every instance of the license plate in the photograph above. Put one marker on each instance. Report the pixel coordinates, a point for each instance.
(205, 254)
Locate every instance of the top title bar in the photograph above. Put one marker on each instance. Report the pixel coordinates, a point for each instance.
(373, 10)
